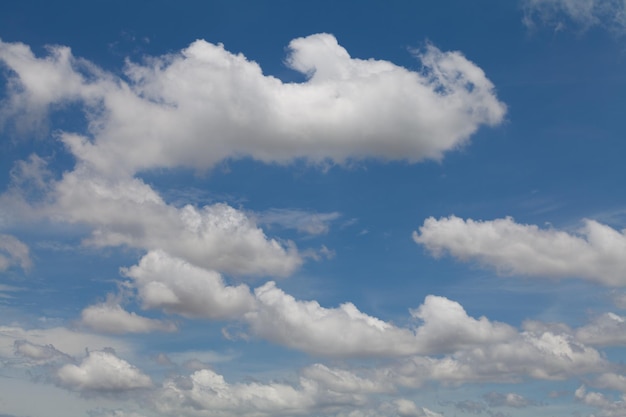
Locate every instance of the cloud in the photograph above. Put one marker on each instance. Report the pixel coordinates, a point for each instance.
(606, 407)
(13, 252)
(67, 341)
(317, 391)
(346, 331)
(171, 284)
(583, 13)
(498, 399)
(110, 317)
(103, 372)
(447, 327)
(129, 212)
(596, 254)
(38, 354)
(347, 108)
(177, 287)
(303, 221)
(606, 330)
(544, 356)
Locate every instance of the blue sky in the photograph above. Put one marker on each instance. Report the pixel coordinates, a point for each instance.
(347, 209)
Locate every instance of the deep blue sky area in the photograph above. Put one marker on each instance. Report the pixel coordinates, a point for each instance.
(338, 209)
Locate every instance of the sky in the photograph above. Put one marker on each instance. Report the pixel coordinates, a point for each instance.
(342, 209)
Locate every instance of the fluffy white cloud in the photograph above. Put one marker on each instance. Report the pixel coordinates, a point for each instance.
(129, 212)
(587, 13)
(447, 327)
(13, 252)
(596, 254)
(102, 371)
(176, 286)
(219, 105)
(112, 318)
(346, 331)
(319, 390)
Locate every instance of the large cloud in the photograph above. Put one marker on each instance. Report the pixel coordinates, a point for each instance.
(205, 104)
(596, 254)
(346, 331)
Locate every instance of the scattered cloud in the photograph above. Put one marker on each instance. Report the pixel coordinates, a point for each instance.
(595, 254)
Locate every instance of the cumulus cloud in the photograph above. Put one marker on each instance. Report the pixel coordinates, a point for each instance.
(583, 13)
(102, 371)
(595, 254)
(447, 327)
(13, 252)
(346, 331)
(347, 108)
(110, 317)
(129, 212)
(545, 356)
(319, 390)
(175, 286)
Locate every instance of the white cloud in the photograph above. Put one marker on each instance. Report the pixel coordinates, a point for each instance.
(102, 371)
(129, 212)
(348, 108)
(176, 286)
(447, 327)
(346, 331)
(584, 13)
(110, 317)
(13, 252)
(596, 254)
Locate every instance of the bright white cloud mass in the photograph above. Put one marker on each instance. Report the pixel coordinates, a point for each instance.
(204, 215)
